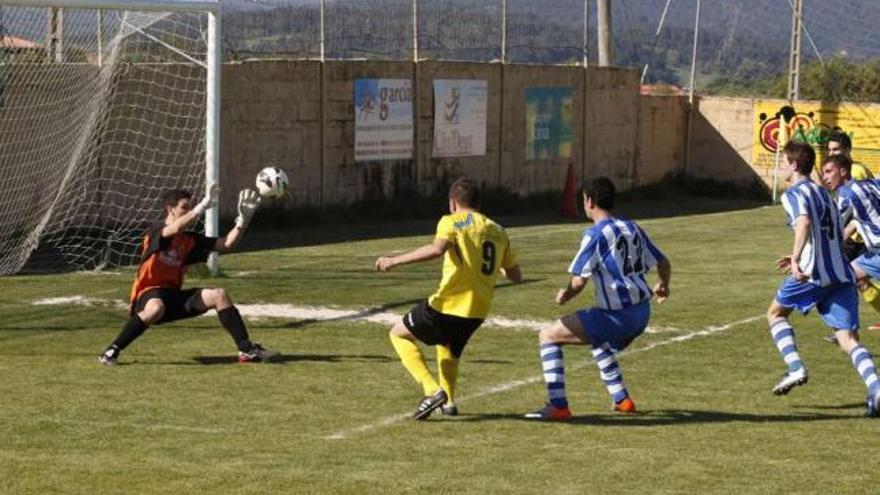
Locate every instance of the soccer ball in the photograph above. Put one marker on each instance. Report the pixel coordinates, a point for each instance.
(272, 182)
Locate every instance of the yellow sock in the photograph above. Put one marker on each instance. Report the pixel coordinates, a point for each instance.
(414, 362)
(447, 369)
(872, 295)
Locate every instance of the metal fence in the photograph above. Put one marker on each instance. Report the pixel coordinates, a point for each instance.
(743, 46)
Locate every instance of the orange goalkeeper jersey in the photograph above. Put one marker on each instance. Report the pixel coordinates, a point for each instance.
(164, 259)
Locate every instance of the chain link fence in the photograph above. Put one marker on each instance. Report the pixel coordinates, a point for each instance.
(743, 47)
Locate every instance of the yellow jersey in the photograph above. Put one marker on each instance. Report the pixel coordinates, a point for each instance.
(860, 172)
(479, 249)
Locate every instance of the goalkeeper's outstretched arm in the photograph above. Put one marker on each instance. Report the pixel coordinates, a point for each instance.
(248, 202)
(230, 240)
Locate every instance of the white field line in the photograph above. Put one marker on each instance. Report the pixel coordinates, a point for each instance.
(318, 313)
(504, 387)
(79, 301)
(257, 311)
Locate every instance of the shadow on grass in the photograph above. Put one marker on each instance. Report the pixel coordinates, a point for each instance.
(293, 358)
(854, 405)
(281, 228)
(673, 417)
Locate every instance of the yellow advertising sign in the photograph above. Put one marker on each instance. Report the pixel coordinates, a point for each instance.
(813, 122)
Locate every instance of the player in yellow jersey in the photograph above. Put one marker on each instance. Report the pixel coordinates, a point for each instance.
(475, 250)
(839, 143)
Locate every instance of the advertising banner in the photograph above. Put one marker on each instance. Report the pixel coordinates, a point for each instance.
(813, 122)
(383, 119)
(460, 117)
(549, 122)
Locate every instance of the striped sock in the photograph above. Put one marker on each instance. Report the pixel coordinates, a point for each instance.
(783, 337)
(554, 374)
(609, 370)
(863, 363)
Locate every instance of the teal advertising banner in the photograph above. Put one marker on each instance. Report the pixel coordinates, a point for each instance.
(549, 122)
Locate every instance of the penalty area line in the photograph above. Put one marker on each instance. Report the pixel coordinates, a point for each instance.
(507, 386)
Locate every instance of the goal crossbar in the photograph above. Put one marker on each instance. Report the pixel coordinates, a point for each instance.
(212, 6)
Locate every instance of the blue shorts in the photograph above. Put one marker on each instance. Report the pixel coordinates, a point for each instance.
(838, 305)
(870, 264)
(616, 327)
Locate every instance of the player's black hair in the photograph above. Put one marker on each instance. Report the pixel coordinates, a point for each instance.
(841, 138)
(840, 161)
(601, 190)
(173, 196)
(465, 192)
(802, 154)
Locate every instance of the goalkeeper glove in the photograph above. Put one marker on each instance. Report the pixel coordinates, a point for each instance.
(210, 200)
(248, 202)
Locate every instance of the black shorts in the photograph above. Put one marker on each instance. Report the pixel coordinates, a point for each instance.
(179, 304)
(435, 328)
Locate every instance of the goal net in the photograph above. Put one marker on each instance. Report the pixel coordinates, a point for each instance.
(101, 111)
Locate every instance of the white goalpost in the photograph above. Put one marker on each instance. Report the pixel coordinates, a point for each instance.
(104, 106)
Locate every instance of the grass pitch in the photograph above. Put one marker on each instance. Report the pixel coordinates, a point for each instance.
(180, 416)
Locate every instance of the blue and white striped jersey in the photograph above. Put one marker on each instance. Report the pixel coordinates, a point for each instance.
(861, 200)
(822, 258)
(617, 254)
(844, 207)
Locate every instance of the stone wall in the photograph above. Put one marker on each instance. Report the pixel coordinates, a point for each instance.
(272, 115)
(299, 115)
(722, 140)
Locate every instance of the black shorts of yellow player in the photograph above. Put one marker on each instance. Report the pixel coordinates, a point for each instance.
(435, 328)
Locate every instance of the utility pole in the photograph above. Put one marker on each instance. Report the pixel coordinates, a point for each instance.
(586, 29)
(693, 82)
(794, 57)
(503, 32)
(55, 35)
(321, 46)
(604, 24)
(416, 100)
(100, 38)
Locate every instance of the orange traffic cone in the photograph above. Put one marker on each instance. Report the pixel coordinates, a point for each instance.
(568, 201)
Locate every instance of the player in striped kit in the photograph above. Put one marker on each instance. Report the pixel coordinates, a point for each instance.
(616, 254)
(820, 276)
(839, 143)
(859, 203)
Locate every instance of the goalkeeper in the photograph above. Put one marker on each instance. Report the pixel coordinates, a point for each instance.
(167, 250)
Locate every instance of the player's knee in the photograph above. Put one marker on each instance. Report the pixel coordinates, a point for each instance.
(215, 298)
(153, 311)
(222, 297)
(775, 312)
(400, 331)
(550, 334)
(847, 341)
